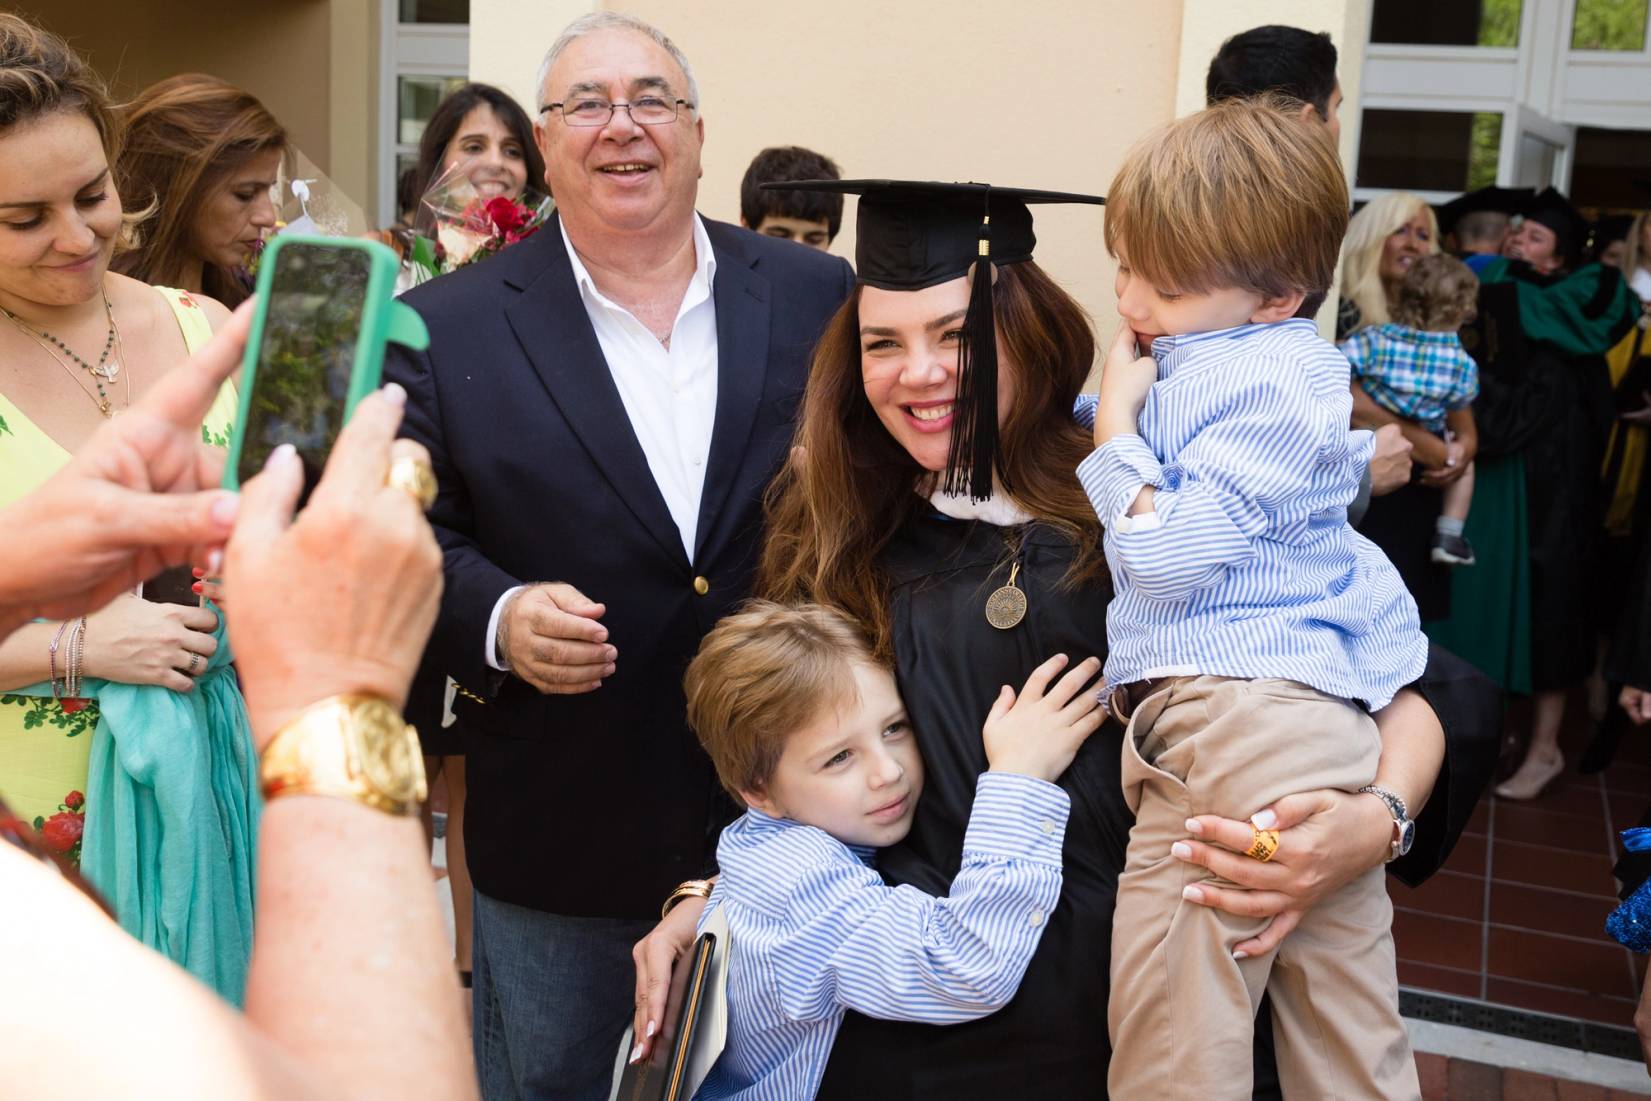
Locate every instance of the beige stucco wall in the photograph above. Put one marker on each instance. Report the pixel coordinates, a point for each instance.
(352, 104)
(1043, 94)
(280, 52)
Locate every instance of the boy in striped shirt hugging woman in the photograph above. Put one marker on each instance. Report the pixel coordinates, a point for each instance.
(1252, 630)
(808, 731)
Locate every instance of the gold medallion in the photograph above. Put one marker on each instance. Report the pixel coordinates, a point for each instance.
(1006, 607)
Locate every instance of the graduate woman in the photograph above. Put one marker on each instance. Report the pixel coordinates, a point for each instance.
(943, 372)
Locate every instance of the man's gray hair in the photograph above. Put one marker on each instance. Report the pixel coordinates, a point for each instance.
(1481, 226)
(613, 21)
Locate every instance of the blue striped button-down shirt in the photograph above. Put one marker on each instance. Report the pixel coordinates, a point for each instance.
(1247, 567)
(814, 932)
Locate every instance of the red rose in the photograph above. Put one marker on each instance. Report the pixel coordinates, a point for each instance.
(62, 830)
(73, 704)
(74, 800)
(505, 214)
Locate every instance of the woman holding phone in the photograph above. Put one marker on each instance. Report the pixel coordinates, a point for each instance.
(122, 732)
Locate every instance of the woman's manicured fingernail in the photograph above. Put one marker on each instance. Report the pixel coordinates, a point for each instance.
(195, 588)
(1192, 894)
(636, 1052)
(394, 393)
(215, 562)
(224, 511)
(652, 1028)
(198, 573)
(1240, 954)
(1194, 827)
(1181, 850)
(281, 456)
(1264, 820)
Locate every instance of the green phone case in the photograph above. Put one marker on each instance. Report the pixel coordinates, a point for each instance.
(383, 319)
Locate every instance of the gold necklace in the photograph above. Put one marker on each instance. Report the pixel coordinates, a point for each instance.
(105, 370)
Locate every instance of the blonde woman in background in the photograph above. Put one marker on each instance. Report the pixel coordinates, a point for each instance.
(1384, 238)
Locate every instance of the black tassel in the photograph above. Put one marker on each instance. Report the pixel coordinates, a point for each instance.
(973, 453)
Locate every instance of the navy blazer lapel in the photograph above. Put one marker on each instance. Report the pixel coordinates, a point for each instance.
(742, 301)
(549, 319)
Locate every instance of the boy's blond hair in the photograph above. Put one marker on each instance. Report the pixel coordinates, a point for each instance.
(1242, 194)
(764, 673)
(1438, 294)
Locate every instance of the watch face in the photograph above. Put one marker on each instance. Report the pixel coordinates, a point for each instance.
(1407, 836)
(388, 752)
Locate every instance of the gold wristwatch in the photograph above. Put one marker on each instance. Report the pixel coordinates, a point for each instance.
(353, 747)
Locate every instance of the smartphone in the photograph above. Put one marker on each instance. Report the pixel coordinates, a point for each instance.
(325, 309)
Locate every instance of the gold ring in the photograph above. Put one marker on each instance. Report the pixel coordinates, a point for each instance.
(416, 477)
(1263, 844)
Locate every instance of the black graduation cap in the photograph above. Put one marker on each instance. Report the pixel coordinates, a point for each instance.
(910, 235)
(1549, 208)
(1500, 200)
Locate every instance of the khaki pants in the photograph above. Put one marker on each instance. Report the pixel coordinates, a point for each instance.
(1182, 1009)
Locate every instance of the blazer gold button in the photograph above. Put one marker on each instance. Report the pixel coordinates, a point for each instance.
(701, 586)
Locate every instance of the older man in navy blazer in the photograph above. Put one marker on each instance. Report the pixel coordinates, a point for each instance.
(604, 405)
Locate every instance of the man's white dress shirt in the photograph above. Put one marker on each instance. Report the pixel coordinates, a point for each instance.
(670, 394)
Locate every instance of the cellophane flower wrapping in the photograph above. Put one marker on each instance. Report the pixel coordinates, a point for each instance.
(458, 225)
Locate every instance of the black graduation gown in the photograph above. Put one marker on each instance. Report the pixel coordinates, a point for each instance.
(1564, 446)
(950, 664)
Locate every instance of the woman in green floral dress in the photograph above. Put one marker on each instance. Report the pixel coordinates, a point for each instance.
(123, 734)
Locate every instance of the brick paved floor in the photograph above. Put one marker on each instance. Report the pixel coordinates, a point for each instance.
(1517, 915)
(1460, 1080)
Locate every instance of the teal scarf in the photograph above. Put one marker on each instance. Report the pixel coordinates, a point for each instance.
(172, 817)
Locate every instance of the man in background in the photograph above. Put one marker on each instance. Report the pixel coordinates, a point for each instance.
(1287, 60)
(809, 218)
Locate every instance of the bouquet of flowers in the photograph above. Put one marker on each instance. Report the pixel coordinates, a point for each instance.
(458, 225)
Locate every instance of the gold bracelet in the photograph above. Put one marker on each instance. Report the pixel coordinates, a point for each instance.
(693, 888)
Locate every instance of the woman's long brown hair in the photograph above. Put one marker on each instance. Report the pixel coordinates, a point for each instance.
(184, 137)
(834, 508)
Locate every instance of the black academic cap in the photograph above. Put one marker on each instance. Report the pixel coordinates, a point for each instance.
(1500, 200)
(910, 235)
(1549, 208)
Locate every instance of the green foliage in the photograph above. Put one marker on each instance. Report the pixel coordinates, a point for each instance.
(1485, 145)
(1499, 22)
(1609, 25)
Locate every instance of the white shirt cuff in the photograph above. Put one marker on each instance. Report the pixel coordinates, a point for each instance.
(491, 651)
(1123, 523)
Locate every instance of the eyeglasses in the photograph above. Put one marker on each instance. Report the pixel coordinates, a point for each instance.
(646, 111)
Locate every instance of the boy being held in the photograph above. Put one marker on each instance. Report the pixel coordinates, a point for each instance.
(809, 732)
(1251, 628)
(1416, 368)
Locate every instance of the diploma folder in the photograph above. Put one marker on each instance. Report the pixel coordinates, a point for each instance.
(695, 1027)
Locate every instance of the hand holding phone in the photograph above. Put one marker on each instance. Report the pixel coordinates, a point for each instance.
(325, 309)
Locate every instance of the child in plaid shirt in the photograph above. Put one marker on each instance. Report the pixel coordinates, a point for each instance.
(1416, 368)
